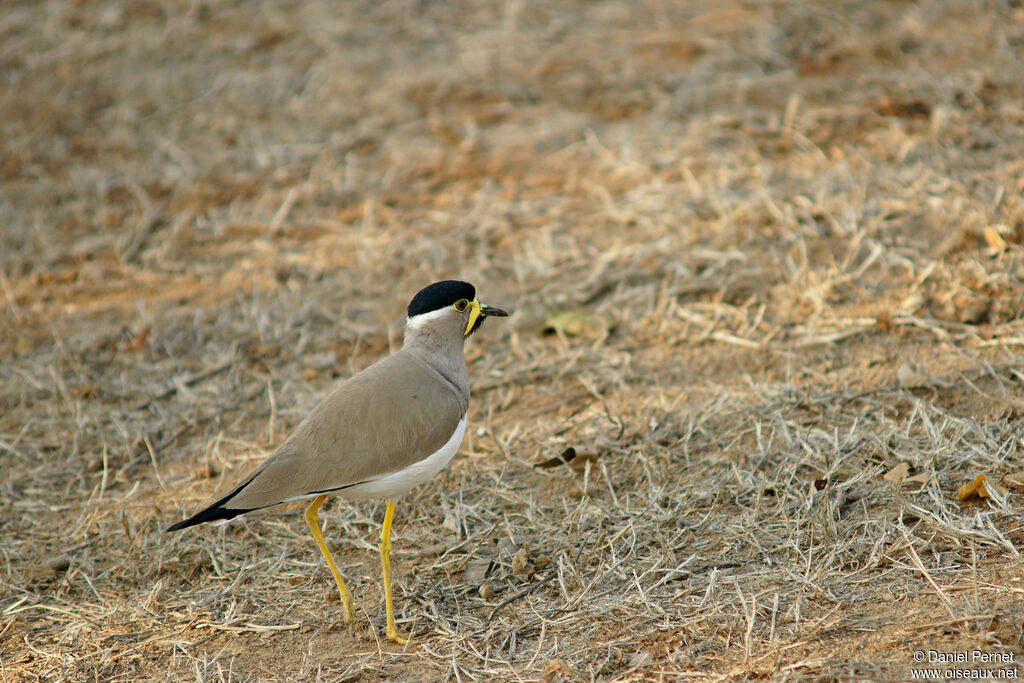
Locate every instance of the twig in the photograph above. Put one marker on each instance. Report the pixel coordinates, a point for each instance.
(186, 381)
(521, 594)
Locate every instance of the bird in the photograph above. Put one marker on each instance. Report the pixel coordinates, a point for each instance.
(378, 434)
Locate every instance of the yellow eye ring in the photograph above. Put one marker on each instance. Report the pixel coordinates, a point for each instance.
(461, 305)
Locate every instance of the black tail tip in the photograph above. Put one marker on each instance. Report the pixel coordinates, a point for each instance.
(210, 514)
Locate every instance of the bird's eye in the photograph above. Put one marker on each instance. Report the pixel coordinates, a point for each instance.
(461, 305)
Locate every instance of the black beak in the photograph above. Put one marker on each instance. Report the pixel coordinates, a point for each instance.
(487, 312)
(493, 312)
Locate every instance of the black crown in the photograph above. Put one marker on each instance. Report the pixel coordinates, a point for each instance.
(440, 295)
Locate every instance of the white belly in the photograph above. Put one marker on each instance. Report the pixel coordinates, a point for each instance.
(393, 485)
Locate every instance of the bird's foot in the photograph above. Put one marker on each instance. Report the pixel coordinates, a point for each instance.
(394, 637)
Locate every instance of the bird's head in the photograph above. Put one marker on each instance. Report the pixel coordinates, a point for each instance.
(449, 307)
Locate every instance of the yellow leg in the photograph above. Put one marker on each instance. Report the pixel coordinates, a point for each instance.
(314, 526)
(385, 560)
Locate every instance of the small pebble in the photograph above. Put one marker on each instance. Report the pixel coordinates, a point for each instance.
(486, 591)
(206, 472)
(907, 375)
(58, 564)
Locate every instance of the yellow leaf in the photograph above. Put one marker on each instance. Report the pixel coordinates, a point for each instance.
(993, 237)
(575, 323)
(982, 487)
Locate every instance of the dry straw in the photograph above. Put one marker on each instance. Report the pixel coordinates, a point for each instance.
(788, 238)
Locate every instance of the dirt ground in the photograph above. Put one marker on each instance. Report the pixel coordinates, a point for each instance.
(765, 261)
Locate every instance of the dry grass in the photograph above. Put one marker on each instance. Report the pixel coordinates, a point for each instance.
(795, 228)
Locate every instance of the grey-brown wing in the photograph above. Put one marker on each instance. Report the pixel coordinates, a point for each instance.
(389, 416)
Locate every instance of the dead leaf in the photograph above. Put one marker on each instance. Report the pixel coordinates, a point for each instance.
(48, 568)
(520, 563)
(982, 487)
(921, 478)
(1014, 480)
(904, 108)
(431, 550)
(556, 672)
(576, 323)
(137, 341)
(898, 474)
(88, 390)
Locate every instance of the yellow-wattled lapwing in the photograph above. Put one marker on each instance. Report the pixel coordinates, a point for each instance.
(378, 434)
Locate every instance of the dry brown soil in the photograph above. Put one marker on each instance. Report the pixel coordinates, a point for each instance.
(765, 260)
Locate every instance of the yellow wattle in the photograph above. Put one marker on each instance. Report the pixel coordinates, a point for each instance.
(474, 313)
